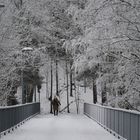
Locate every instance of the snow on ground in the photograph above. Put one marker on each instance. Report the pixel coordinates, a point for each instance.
(63, 127)
(84, 97)
(45, 104)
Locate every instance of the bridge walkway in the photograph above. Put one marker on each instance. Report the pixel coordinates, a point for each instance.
(62, 127)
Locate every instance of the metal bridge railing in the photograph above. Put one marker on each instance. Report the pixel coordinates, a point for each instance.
(13, 115)
(124, 123)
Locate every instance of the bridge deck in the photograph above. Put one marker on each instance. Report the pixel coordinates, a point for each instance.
(63, 127)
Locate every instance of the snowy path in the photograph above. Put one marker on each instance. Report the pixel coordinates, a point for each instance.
(64, 127)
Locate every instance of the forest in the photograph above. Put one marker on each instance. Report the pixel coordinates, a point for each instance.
(95, 42)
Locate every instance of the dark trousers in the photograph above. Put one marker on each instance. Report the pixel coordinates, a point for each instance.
(55, 112)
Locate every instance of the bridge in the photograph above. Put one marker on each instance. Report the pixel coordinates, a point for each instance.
(25, 122)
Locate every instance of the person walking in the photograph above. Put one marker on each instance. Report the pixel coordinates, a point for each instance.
(55, 103)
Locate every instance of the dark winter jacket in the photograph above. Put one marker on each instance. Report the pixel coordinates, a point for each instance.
(55, 103)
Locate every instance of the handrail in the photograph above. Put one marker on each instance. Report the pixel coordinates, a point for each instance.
(14, 106)
(123, 123)
(11, 116)
(119, 109)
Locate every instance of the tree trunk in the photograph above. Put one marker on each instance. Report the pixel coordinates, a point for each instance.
(34, 93)
(85, 84)
(94, 92)
(67, 87)
(51, 111)
(39, 96)
(24, 93)
(57, 77)
(104, 98)
(71, 76)
(30, 93)
(47, 86)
